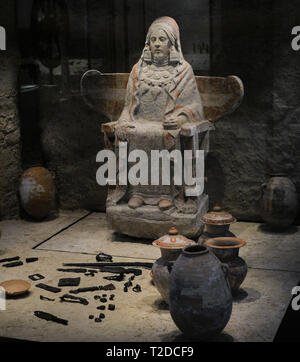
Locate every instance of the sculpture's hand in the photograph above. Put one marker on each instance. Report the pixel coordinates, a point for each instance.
(182, 119)
(123, 129)
(170, 123)
(124, 123)
(174, 122)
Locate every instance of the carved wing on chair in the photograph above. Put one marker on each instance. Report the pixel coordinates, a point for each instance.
(220, 95)
(105, 93)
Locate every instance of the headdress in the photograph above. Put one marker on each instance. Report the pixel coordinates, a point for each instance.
(171, 28)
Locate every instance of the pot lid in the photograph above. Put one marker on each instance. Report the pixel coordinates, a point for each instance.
(173, 240)
(218, 217)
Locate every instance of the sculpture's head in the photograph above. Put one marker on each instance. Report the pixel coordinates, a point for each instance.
(162, 41)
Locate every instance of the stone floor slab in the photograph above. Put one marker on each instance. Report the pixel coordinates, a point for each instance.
(268, 249)
(258, 309)
(93, 234)
(25, 233)
(256, 315)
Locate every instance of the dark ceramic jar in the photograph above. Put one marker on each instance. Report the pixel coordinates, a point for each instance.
(200, 297)
(170, 246)
(226, 250)
(278, 202)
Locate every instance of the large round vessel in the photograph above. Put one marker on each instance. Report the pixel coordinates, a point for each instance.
(200, 297)
(37, 192)
(278, 203)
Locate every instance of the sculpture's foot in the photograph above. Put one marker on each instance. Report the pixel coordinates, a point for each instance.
(135, 202)
(165, 205)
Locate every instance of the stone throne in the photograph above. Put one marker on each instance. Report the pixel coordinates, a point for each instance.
(105, 93)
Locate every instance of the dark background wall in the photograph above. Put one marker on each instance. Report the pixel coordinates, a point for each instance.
(262, 136)
(10, 154)
(249, 39)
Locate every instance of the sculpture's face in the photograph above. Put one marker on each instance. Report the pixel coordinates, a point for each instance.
(159, 44)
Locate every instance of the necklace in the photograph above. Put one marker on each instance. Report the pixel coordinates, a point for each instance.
(161, 76)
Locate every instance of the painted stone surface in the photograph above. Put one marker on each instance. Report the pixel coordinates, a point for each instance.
(163, 110)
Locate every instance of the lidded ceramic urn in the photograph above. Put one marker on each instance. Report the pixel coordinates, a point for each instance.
(217, 223)
(170, 246)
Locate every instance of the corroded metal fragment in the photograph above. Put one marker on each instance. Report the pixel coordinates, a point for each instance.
(117, 278)
(72, 299)
(83, 290)
(50, 317)
(107, 287)
(75, 270)
(69, 282)
(103, 257)
(13, 264)
(137, 288)
(9, 259)
(36, 277)
(45, 298)
(111, 307)
(31, 260)
(49, 288)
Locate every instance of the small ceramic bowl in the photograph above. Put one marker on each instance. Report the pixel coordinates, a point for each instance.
(15, 287)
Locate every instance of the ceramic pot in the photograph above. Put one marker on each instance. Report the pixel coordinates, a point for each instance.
(217, 223)
(226, 250)
(200, 297)
(37, 192)
(170, 246)
(278, 202)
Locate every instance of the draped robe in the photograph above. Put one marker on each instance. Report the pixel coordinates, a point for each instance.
(153, 96)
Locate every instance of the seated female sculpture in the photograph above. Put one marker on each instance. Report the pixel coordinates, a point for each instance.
(161, 96)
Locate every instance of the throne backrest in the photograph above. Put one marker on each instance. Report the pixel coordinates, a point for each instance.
(105, 93)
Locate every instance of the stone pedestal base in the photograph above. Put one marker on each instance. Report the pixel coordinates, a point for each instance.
(150, 223)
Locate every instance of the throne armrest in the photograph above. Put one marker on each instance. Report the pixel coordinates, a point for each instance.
(109, 127)
(190, 129)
